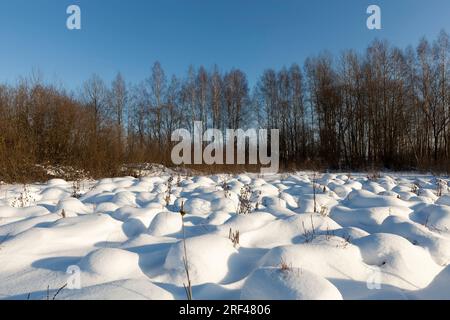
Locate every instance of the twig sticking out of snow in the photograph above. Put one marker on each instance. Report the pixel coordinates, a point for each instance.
(169, 189)
(285, 267)
(329, 234)
(76, 189)
(441, 187)
(234, 237)
(24, 199)
(59, 291)
(188, 287)
(246, 197)
(324, 211)
(309, 235)
(226, 188)
(345, 242)
(48, 292)
(415, 189)
(314, 191)
(374, 176)
(244, 200)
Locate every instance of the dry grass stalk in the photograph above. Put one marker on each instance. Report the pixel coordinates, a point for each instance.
(188, 287)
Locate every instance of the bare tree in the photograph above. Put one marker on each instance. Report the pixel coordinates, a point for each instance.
(94, 96)
(119, 100)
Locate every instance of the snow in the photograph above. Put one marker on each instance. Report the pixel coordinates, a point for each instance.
(120, 290)
(101, 266)
(370, 238)
(165, 223)
(332, 258)
(402, 264)
(208, 258)
(293, 284)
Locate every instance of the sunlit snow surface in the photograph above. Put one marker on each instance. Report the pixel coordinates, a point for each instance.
(384, 237)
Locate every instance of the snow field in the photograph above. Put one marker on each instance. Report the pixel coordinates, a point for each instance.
(383, 238)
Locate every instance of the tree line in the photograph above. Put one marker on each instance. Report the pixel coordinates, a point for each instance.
(386, 107)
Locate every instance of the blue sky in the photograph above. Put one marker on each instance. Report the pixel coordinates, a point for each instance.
(253, 35)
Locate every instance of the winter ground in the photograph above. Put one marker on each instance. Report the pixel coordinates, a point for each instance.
(386, 237)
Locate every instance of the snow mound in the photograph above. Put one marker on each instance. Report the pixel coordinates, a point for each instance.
(9, 214)
(287, 231)
(165, 223)
(327, 256)
(367, 199)
(198, 207)
(125, 198)
(437, 289)
(364, 218)
(108, 264)
(246, 222)
(419, 235)
(119, 290)
(292, 284)
(208, 258)
(436, 217)
(339, 189)
(77, 233)
(402, 264)
(72, 207)
(106, 207)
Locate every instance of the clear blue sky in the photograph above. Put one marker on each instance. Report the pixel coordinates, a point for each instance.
(128, 36)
